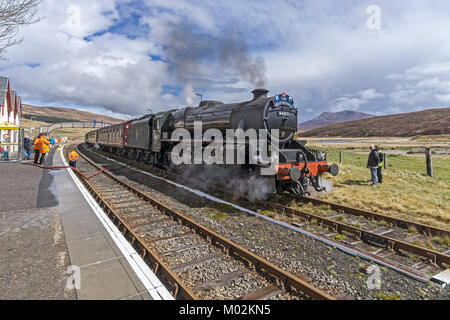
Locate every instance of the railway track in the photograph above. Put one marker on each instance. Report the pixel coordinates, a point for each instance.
(194, 261)
(400, 223)
(383, 240)
(379, 236)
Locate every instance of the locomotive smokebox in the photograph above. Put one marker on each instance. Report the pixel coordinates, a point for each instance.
(258, 93)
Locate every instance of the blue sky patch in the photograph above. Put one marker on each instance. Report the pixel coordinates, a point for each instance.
(173, 90)
(33, 65)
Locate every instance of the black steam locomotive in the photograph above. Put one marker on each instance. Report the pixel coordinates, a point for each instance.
(149, 139)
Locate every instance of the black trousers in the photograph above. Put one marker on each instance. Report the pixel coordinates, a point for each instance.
(73, 164)
(380, 175)
(37, 153)
(41, 160)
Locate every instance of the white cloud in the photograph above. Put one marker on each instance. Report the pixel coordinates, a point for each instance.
(370, 94)
(321, 52)
(354, 102)
(426, 84)
(344, 103)
(444, 98)
(111, 71)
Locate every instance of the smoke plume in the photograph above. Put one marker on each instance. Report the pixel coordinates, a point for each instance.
(189, 51)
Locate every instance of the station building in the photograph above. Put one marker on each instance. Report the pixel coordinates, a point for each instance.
(10, 116)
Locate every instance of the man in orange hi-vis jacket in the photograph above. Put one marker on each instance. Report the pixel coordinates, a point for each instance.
(37, 153)
(44, 148)
(73, 157)
(41, 148)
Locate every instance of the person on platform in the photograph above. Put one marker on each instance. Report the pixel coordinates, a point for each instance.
(73, 157)
(44, 148)
(52, 142)
(5, 154)
(36, 147)
(27, 148)
(41, 147)
(372, 164)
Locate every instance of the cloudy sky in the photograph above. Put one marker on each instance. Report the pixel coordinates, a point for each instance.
(126, 57)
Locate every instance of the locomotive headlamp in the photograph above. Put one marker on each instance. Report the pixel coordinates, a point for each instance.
(321, 156)
(294, 173)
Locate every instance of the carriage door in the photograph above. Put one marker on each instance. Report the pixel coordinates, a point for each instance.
(156, 136)
(125, 134)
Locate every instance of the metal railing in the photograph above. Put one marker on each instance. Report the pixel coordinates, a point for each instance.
(43, 129)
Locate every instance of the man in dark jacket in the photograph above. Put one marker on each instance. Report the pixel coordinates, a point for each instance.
(27, 148)
(372, 164)
(380, 165)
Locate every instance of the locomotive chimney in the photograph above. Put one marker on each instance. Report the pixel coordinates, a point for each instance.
(258, 93)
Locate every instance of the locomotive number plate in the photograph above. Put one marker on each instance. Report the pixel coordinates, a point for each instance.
(284, 114)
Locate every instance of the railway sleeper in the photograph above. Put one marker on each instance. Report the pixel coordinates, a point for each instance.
(374, 240)
(265, 293)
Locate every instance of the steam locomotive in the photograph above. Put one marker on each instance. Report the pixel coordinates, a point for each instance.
(149, 138)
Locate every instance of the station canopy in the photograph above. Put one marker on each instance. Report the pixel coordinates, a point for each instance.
(8, 126)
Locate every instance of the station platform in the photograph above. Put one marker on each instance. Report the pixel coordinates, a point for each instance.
(55, 243)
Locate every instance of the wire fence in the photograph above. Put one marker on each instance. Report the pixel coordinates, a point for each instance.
(421, 162)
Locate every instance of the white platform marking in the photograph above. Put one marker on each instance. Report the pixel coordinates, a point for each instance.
(151, 283)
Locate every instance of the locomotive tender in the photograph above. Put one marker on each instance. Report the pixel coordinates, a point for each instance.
(149, 138)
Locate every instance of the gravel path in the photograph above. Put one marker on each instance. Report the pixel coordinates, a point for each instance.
(33, 251)
(33, 256)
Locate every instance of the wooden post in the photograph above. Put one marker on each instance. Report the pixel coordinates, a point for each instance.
(385, 160)
(429, 162)
(340, 156)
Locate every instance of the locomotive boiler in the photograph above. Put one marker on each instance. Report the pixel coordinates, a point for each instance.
(259, 113)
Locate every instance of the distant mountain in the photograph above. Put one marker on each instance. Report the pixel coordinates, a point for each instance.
(58, 114)
(327, 118)
(426, 122)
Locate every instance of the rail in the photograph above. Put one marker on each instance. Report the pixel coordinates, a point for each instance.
(391, 244)
(287, 279)
(400, 223)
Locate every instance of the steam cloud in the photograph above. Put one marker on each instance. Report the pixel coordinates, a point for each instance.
(235, 179)
(328, 184)
(234, 54)
(188, 50)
